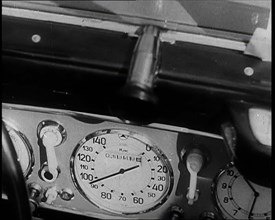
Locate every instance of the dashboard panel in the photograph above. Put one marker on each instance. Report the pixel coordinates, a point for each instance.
(64, 143)
(62, 104)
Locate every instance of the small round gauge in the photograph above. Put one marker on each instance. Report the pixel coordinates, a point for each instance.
(22, 148)
(121, 171)
(239, 198)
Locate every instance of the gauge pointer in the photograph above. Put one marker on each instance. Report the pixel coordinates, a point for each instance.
(256, 195)
(121, 171)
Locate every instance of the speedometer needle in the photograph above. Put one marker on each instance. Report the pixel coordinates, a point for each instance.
(121, 171)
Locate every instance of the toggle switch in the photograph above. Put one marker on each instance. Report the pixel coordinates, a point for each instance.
(194, 163)
(51, 134)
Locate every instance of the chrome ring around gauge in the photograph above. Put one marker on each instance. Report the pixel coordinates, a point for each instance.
(121, 171)
(238, 198)
(23, 149)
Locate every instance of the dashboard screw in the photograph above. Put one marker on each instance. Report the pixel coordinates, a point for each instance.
(248, 71)
(36, 38)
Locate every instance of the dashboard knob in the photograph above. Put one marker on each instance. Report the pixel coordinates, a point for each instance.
(66, 194)
(34, 193)
(176, 213)
(51, 195)
(208, 216)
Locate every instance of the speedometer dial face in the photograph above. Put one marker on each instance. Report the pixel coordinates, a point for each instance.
(239, 198)
(121, 171)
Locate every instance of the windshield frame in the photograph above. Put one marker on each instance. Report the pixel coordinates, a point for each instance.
(45, 6)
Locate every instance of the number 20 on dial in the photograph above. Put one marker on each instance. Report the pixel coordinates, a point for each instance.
(121, 171)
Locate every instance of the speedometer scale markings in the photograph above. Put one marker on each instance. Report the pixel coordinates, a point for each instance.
(121, 172)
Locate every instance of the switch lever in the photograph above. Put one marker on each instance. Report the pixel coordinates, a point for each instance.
(194, 163)
(51, 134)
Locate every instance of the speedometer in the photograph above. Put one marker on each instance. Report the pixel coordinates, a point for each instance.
(121, 171)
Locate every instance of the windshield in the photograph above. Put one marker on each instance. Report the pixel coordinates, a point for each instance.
(200, 16)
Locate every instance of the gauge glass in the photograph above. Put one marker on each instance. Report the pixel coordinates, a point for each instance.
(238, 198)
(121, 172)
(23, 150)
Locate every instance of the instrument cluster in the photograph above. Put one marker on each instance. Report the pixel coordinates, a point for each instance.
(98, 166)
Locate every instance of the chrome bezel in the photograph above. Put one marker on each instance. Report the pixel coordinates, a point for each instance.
(56, 124)
(28, 146)
(143, 139)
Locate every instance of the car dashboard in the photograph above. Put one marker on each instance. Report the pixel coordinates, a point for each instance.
(163, 175)
(125, 120)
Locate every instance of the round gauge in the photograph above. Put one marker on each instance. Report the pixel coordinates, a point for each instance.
(121, 171)
(238, 198)
(23, 150)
